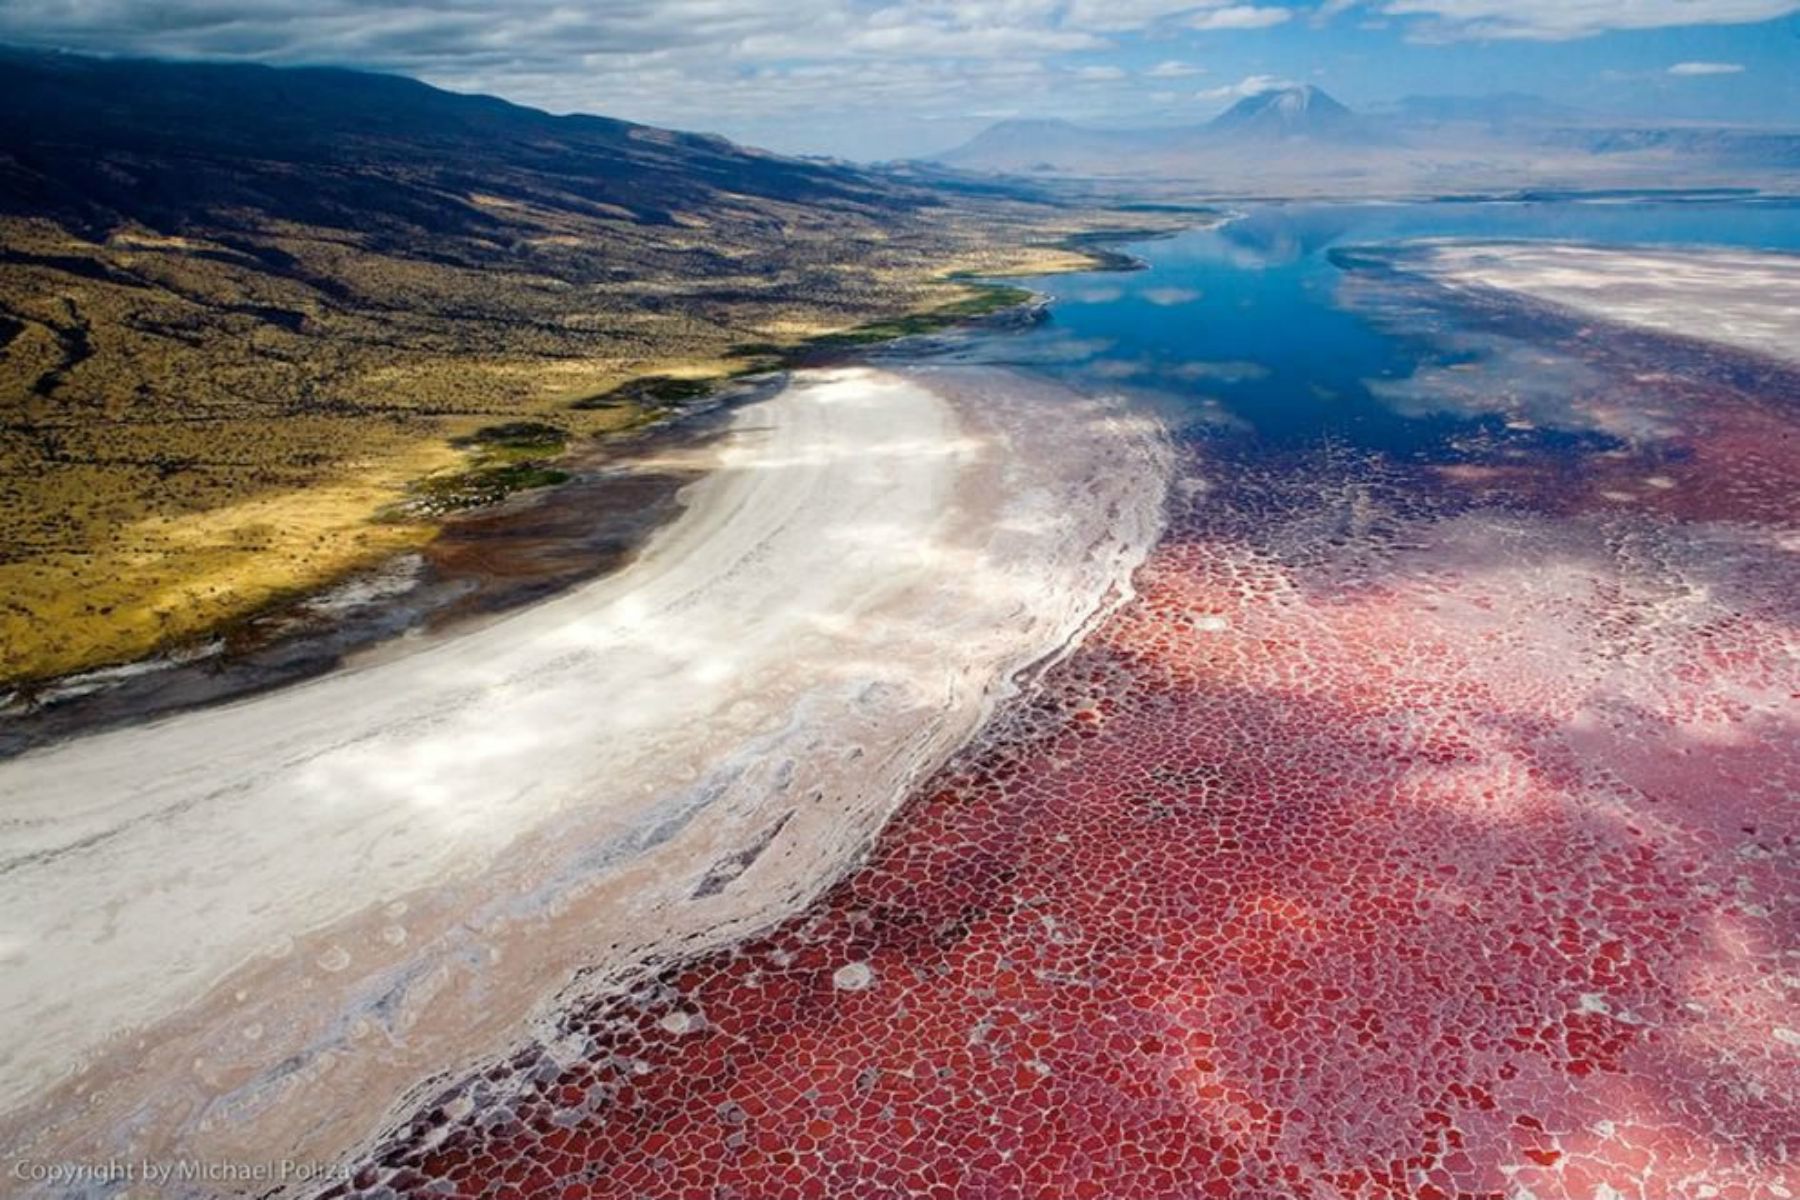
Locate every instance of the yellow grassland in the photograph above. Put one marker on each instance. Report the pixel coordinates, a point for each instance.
(195, 426)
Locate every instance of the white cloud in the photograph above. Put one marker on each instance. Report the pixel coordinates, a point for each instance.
(911, 29)
(920, 71)
(1706, 68)
(754, 69)
(1122, 15)
(1556, 20)
(1250, 85)
(1240, 16)
(518, 34)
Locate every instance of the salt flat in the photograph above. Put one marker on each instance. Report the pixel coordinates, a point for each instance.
(1740, 298)
(243, 933)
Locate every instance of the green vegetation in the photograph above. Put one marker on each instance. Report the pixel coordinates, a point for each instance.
(479, 486)
(989, 299)
(652, 390)
(516, 435)
(660, 392)
(513, 442)
(503, 459)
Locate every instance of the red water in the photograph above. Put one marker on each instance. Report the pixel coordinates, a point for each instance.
(1418, 832)
(1368, 854)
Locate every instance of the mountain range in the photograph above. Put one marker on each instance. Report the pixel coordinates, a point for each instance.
(98, 140)
(1281, 116)
(1301, 140)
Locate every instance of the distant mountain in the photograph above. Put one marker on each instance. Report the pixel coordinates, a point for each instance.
(1026, 146)
(1493, 108)
(1301, 141)
(1285, 114)
(1281, 117)
(1726, 145)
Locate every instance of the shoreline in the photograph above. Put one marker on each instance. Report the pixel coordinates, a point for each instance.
(545, 538)
(1498, 720)
(670, 756)
(1734, 299)
(483, 564)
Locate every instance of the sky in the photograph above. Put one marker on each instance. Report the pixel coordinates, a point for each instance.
(877, 79)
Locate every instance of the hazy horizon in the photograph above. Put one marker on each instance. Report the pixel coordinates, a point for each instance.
(916, 77)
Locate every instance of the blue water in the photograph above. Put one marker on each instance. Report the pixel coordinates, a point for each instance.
(1250, 330)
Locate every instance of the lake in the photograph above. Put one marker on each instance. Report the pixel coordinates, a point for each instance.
(1262, 293)
(1422, 827)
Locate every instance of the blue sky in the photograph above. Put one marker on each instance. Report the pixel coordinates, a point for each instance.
(887, 78)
